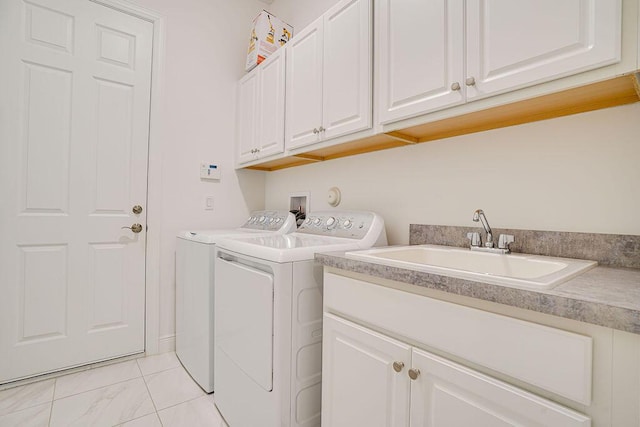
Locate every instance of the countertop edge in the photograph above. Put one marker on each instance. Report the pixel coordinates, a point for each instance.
(563, 301)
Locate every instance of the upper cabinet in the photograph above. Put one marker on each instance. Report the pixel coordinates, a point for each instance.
(516, 44)
(260, 115)
(426, 63)
(328, 89)
(421, 56)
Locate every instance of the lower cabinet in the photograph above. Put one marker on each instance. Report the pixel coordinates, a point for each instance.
(370, 379)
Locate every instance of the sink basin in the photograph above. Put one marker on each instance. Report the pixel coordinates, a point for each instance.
(514, 270)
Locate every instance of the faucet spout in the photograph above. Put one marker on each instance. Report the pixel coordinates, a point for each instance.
(479, 216)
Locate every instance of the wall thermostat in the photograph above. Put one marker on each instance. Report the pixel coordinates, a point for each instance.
(209, 171)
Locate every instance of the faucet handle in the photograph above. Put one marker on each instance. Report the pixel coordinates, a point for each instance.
(504, 240)
(474, 237)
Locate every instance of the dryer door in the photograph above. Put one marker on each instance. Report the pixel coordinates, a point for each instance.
(244, 317)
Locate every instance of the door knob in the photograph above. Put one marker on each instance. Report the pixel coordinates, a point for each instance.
(137, 209)
(397, 366)
(413, 373)
(136, 228)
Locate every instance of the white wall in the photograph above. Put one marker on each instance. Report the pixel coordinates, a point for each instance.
(578, 173)
(206, 42)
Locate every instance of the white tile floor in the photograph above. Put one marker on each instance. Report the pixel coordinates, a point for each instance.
(153, 391)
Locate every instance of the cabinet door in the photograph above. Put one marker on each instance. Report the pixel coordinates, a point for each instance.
(446, 394)
(421, 48)
(359, 384)
(270, 130)
(247, 117)
(304, 87)
(513, 44)
(347, 72)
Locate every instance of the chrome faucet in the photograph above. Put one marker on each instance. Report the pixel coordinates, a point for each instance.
(478, 215)
(476, 240)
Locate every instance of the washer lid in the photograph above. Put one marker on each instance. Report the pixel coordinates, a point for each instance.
(288, 247)
(259, 223)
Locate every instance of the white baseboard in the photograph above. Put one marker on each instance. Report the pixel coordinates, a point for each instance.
(166, 344)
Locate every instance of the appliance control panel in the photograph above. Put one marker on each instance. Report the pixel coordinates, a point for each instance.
(347, 224)
(270, 220)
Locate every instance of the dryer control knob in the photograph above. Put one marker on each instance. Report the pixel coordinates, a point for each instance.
(316, 221)
(331, 222)
(347, 224)
(262, 219)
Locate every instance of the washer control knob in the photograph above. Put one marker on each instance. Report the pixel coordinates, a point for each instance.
(331, 222)
(347, 224)
(262, 220)
(316, 221)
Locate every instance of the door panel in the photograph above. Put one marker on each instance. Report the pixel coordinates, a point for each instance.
(304, 87)
(359, 384)
(75, 83)
(421, 48)
(446, 394)
(244, 297)
(271, 103)
(515, 44)
(247, 116)
(347, 69)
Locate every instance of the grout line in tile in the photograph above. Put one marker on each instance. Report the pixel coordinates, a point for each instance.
(151, 397)
(98, 388)
(55, 382)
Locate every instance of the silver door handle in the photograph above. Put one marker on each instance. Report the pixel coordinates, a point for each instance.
(136, 228)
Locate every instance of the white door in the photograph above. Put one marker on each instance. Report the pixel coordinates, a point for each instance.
(304, 87)
(347, 74)
(364, 377)
(74, 110)
(512, 44)
(445, 394)
(421, 63)
(270, 138)
(247, 117)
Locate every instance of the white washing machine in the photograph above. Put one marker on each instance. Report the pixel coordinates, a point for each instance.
(195, 254)
(268, 318)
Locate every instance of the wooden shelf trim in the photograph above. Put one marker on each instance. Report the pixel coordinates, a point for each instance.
(609, 93)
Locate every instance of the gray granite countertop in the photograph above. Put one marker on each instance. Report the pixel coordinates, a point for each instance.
(604, 296)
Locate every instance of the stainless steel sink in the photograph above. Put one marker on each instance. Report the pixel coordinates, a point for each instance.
(513, 270)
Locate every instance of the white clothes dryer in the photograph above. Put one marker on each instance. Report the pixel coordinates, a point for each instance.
(268, 318)
(195, 255)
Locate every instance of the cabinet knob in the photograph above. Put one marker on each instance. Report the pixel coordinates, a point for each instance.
(414, 373)
(316, 131)
(321, 129)
(455, 86)
(397, 366)
(470, 81)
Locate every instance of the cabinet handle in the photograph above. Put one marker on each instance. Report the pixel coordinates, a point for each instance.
(455, 86)
(470, 81)
(414, 373)
(397, 366)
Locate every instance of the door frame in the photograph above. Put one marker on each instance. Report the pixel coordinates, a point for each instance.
(154, 170)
